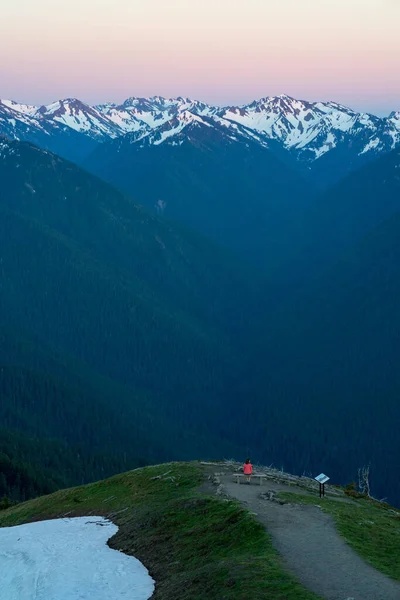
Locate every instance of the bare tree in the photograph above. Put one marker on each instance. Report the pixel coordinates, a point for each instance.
(363, 481)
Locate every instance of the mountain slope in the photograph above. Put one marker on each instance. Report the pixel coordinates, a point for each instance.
(29, 124)
(165, 324)
(323, 382)
(121, 304)
(325, 138)
(330, 355)
(343, 215)
(76, 208)
(212, 175)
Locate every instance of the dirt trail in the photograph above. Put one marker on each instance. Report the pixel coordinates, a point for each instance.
(312, 549)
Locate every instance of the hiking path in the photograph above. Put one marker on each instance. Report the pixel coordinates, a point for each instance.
(311, 547)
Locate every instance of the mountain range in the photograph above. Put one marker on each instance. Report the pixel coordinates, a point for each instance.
(324, 140)
(190, 291)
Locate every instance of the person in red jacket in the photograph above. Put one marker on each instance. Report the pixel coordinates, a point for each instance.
(248, 470)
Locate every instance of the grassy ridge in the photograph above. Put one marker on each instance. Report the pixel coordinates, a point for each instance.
(196, 547)
(371, 528)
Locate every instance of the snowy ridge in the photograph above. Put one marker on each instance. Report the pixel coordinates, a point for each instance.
(24, 109)
(174, 127)
(313, 127)
(309, 130)
(14, 116)
(182, 126)
(149, 113)
(78, 116)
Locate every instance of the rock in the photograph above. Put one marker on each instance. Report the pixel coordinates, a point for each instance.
(220, 490)
(271, 496)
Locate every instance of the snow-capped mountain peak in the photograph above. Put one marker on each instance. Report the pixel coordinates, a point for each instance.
(170, 130)
(78, 116)
(395, 118)
(187, 126)
(307, 130)
(24, 109)
(310, 128)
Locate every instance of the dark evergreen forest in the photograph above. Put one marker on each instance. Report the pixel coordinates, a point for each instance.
(126, 339)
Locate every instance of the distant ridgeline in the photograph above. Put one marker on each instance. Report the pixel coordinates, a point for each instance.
(323, 140)
(127, 339)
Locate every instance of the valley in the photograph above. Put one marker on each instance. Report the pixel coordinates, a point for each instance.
(199, 300)
(194, 294)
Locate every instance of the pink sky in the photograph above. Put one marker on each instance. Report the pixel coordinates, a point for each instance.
(220, 51)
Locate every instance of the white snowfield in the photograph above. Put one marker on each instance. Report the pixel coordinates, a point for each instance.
(68, 559)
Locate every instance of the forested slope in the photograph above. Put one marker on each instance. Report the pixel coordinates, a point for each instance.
(330, 364)
(117, 329)
(126, 339)
(215, 181)
(340, 217)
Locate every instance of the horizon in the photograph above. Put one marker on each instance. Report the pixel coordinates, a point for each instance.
(120, 101)
(223, 53)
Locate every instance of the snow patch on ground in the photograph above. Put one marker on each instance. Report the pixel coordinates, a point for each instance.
(68, 559)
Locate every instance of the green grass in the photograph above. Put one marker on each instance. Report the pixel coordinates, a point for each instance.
(197, 547)
(369, 527)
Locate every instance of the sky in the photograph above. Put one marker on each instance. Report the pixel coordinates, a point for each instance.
(219, 51)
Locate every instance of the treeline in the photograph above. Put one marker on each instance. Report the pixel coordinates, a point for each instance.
(54, 434)
(32, 466)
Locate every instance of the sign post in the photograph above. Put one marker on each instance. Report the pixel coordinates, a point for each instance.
(322, 479)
